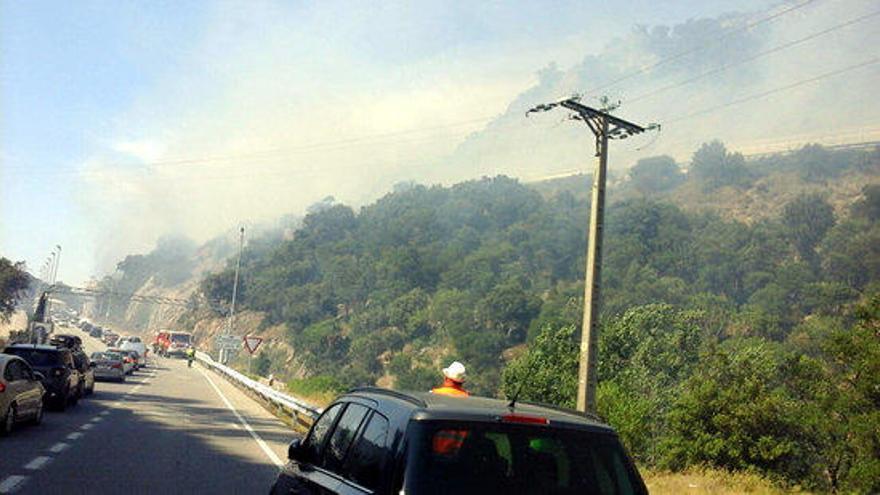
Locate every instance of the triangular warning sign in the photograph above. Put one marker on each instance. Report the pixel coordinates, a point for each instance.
(251, 343)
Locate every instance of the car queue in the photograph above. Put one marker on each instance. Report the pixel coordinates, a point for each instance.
(58, 374)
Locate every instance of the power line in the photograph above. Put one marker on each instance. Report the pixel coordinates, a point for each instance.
(775, 49)
(369, 139)
(699, 48)
(774, 90)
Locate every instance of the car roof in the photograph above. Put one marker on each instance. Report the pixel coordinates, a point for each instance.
(37, 347)
(427, 406)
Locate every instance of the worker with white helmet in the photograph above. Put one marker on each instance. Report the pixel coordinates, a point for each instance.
(453, 381)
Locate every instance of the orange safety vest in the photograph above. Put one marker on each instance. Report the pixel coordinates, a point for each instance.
(450, 391)
(448, 442)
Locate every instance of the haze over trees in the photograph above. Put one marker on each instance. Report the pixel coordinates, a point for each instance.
(742, 344)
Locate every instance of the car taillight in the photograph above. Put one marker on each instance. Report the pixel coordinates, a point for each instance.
(116, 365)
(519, 418)
(2, 387)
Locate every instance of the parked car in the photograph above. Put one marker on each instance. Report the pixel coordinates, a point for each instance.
(380, 441)
(135, 344)
(108, 366)
(21, 393)
(61, 379)
(96, 333)
(128, 360)
(86, 372)
(110, 338)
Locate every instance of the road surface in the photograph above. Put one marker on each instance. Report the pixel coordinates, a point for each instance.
(167, 429)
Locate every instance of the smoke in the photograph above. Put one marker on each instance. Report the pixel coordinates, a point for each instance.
(272, 111)
(671, 74)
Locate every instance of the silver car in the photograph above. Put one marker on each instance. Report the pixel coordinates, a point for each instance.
(21, 393)
(108, 366)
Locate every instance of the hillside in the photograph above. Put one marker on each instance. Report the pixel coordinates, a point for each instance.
(739, 298)
(774, 180)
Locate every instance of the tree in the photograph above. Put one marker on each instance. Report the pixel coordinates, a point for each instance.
(548, 371)
(734, 412)
(655, 174)
(868, 207)
(714, 167)
(807, 219)
(14, 280)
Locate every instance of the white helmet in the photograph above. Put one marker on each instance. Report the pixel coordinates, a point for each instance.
(455, 372)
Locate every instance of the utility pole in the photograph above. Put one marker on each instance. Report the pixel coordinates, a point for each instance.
(57, 262)
(604, 127)
(53, 272)
(231, 325)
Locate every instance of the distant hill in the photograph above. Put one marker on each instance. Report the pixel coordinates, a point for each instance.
(775, 179)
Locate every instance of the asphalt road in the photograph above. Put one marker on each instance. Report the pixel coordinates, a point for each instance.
(167, 429)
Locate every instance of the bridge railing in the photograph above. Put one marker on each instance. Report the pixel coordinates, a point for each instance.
(298, 411)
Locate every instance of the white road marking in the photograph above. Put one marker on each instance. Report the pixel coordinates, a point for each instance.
(97, 419)
(74, 436)
(269, 453)
(164, 414)
(87, 426)
(235, 425)
(105, 412)
(58, 447)
(11, 483)
(38, 463)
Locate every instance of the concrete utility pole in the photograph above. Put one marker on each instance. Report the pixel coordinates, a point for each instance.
(231, 326)
(604, 127)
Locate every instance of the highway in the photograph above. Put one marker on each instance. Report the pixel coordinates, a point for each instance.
(167, 429)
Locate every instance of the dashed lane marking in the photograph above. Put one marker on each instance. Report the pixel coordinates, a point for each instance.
(58, 447)
(74, 436)
(87, 426)
(12, 483)
(105, 412)
(38, 463)
(266, 450)
(97, 419)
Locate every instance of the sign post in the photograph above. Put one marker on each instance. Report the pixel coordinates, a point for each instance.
(251, 343)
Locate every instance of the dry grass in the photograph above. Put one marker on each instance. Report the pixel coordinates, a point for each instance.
(710, 481)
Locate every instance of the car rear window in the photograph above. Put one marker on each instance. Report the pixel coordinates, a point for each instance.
(37, 357)
(454, 457)
(180, 338)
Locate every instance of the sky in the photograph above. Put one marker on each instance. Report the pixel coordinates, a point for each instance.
(123, 121)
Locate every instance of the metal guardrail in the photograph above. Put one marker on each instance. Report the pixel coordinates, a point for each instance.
(302, 413)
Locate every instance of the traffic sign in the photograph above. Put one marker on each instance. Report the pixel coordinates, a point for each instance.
(226, 341)
(251, 343)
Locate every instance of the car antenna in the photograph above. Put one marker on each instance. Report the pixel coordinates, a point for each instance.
(512, 403)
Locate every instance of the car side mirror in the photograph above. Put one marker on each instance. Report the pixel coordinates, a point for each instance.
(295, 451)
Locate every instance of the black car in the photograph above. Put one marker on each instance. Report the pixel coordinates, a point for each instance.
(86, 371)
(379, 441)
(96, 332)
(61, 379)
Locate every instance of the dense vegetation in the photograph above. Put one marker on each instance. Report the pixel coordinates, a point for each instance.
(739, 345)
(14, 280)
